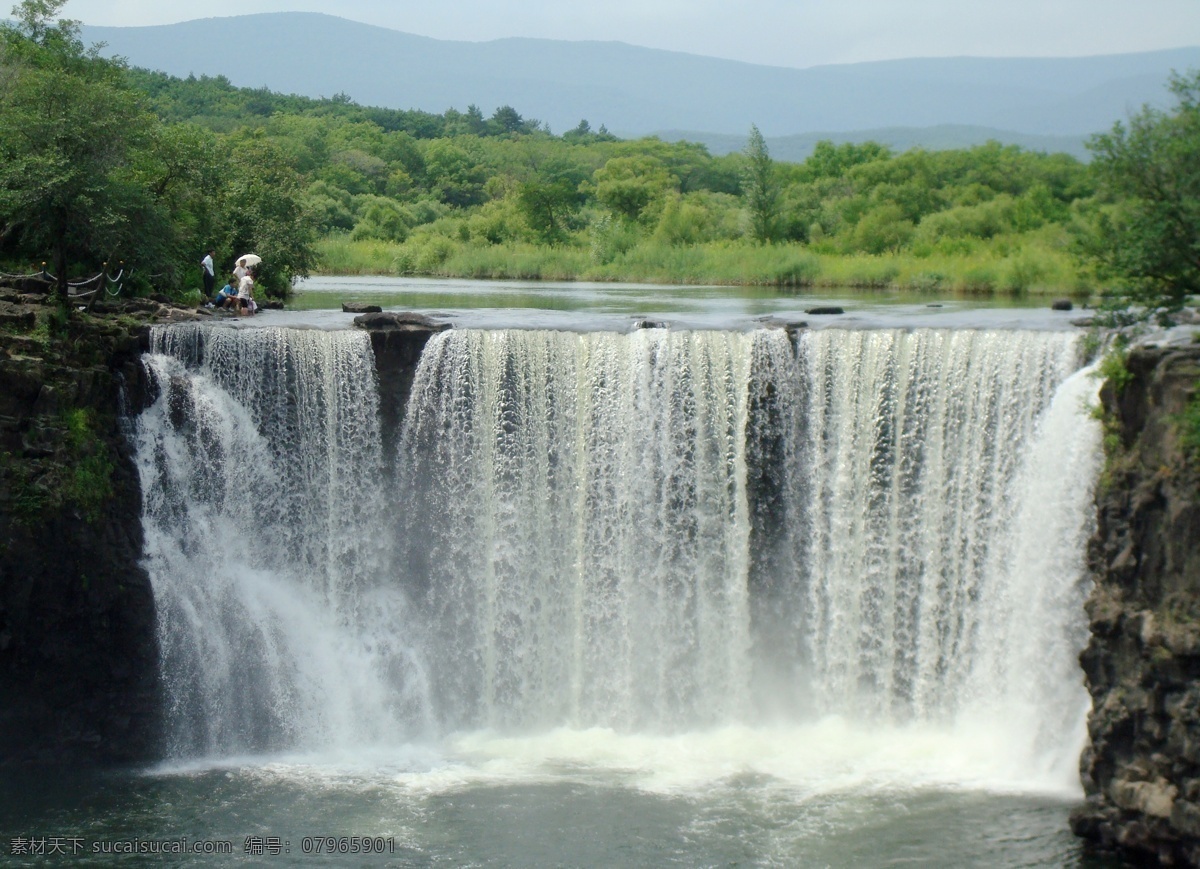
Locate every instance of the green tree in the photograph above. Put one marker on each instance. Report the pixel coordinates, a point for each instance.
(760, 188)
(630, 186)
(382, 218)
(883, 229)
(506, 119)
(547, 208)
(69, 133)
(454, 174)
(833, 161)
(1148, 240)
(262, 213)
(88, 175)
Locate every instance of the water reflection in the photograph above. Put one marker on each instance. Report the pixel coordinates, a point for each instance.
(586, 306)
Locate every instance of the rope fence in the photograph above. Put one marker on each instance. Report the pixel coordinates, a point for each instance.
(112, 284)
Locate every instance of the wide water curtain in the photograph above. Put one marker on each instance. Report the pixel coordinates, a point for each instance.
(657, 532)
(585, 533)
(948, 478)
(671, 530)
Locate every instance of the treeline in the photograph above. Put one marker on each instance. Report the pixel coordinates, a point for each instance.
(90, 175)
(155, 169)
(459, 193)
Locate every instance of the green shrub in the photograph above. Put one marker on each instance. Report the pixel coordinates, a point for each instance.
(611, 237)
(1189, 428)
(1114, 369)
(88, 482)
(432, 253)
(979, 279)
(1023, 272)
(799, 270)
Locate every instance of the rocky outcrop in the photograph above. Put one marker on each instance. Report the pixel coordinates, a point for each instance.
(78, 654)
(1141, 771)
(397, 339)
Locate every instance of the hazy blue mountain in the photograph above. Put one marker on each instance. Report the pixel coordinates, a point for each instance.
(797, 148)
(634, 90)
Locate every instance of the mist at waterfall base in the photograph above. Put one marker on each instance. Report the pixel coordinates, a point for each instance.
(664, 597)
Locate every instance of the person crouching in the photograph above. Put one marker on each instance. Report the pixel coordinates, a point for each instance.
(227, 295)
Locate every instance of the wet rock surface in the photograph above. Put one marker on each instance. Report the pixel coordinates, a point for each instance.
(1141, 770)
(397, 339)
(78, 652)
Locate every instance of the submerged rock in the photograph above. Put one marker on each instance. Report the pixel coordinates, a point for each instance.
(826, 309)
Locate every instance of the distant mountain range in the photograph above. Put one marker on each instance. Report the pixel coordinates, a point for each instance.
(1040, 103)
(797, 148)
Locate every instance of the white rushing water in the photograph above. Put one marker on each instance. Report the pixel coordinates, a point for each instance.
(856, 558)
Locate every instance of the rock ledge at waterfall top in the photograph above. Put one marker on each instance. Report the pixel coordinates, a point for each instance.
(1141, 770)
(404, 321)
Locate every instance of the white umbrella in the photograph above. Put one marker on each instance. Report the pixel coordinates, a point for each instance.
(251, 259)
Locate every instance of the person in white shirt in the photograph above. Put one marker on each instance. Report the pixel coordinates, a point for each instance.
(209, 272)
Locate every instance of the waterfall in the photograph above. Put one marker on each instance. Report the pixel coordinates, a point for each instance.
(657, 532)
(260, 467)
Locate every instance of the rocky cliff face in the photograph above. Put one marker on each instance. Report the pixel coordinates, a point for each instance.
(1141, 771)
(78, 654)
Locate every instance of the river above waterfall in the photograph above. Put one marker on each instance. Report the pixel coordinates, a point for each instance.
(590, 306)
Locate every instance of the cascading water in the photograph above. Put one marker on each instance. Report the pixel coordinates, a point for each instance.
(659, 533)
(260, 465)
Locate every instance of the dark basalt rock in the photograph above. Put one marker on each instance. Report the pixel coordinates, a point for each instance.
(16, 316)
(825, 310)
(78, 648)
(360, 308)
(397, 339)
(1062, 305)
(405, 321)
(1141, 770)
(649, 324)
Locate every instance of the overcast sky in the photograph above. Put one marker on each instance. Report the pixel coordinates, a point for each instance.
(795, 33)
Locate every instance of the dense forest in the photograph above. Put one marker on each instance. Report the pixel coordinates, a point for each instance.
(152, 170)
(408, 192)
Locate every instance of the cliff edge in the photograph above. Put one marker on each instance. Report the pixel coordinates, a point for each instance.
(78, 651)
(1141, 770)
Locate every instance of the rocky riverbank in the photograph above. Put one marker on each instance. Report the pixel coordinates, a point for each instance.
(1141, 771)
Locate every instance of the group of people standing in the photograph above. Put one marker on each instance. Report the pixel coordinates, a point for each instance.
(238, 294)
